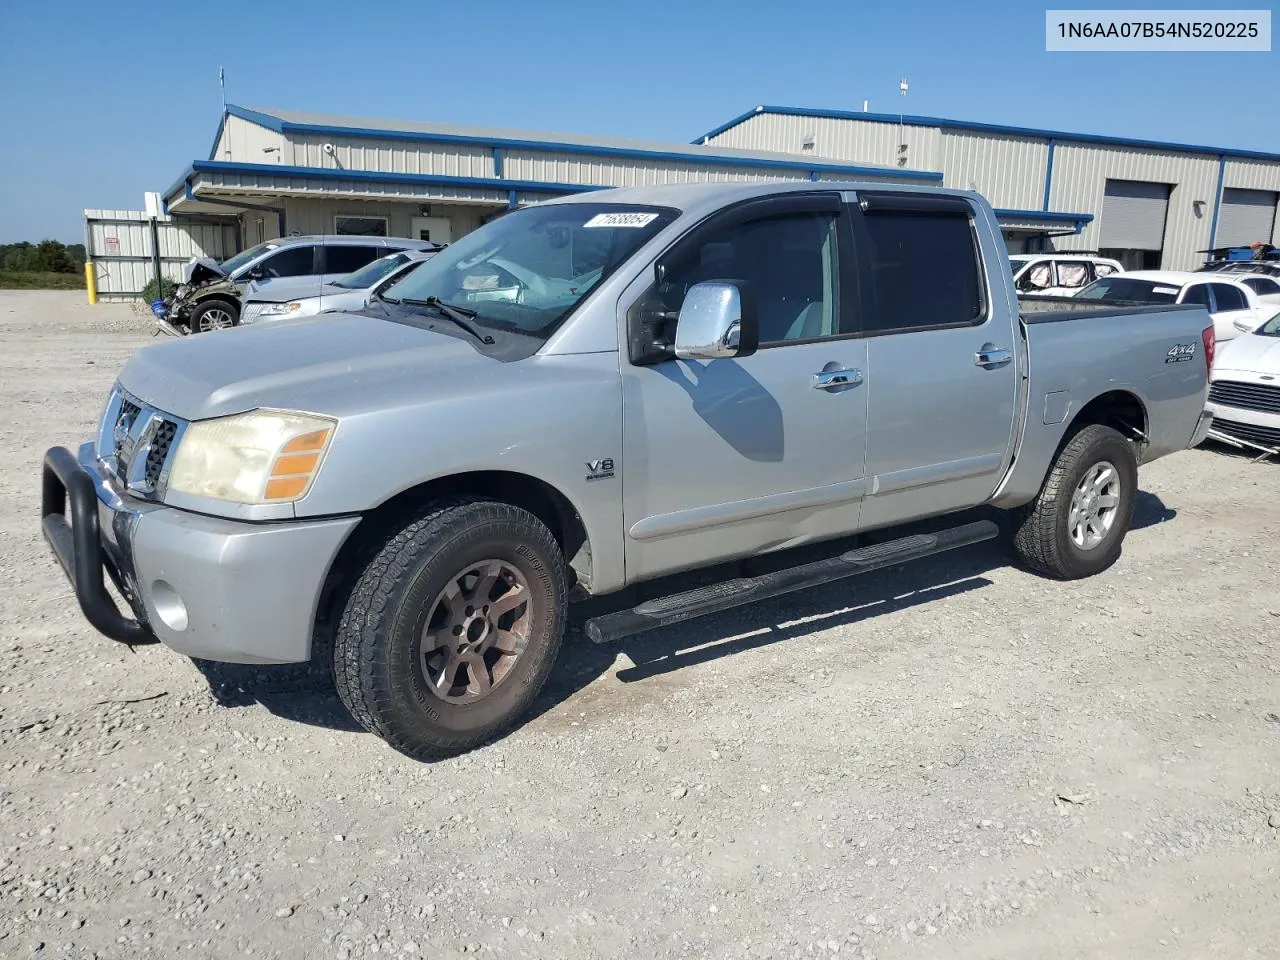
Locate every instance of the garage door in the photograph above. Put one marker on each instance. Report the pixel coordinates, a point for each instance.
(1246, 215)
(1133, 214)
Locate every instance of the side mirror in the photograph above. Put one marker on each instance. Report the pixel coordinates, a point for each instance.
(717, 320)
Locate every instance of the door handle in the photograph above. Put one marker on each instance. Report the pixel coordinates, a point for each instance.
(832, 379)
(991, 357)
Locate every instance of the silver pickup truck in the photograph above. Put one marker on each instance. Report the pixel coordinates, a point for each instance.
(594, 392)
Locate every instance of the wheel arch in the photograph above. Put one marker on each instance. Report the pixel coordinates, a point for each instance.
(540, 498)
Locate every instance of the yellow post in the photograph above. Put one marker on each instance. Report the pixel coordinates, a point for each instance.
(90, 282)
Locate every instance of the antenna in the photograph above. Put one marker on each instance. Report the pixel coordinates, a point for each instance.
(902, 143)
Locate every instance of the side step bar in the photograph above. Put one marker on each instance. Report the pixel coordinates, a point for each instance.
(734, 593)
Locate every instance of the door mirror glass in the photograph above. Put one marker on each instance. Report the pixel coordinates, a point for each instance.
(713, 323)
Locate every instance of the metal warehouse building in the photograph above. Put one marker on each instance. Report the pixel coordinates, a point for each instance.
(1146, 203)
(275, 172)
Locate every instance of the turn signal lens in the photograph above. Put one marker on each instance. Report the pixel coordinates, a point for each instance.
(296, 465)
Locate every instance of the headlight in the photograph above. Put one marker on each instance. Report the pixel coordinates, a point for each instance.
(265, 456)
(279, 309)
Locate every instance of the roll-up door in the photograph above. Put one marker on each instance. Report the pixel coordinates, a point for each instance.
(1246, 216)
(1133, 214)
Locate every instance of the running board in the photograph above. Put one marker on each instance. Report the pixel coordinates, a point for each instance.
(735, 593)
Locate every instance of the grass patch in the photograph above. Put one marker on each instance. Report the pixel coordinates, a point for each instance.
(40, 280)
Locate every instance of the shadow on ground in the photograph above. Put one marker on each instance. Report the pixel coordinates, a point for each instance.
(305, 694)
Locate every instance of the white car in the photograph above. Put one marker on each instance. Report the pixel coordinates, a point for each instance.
(1244, 389)
(1058, 274)
(282, 301)
(1234, 307)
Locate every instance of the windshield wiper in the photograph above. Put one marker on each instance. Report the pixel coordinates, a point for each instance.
(459, 315)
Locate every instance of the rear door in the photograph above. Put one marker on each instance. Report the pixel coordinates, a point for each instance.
(941, 362)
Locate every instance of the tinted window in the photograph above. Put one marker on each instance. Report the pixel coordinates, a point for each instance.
(1197, 294)
(788, 261)
(1120, 287)
(360, 226)
(922, 270)
(340, 258)
(1262, 285)
(292, 262)
(1229, 298)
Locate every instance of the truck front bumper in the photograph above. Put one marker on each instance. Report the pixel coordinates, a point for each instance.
(204, 586)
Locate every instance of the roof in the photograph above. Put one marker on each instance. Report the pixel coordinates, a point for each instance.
(332, 124)
(994, 128)
(1168, 276)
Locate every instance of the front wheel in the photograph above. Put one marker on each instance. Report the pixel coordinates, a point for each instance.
(1076, 525)
(213, 315)
(452, 628)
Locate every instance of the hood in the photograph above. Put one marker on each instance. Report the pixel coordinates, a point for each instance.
(282, 289)
(198, 271)
(339, 364)
(1250, 353)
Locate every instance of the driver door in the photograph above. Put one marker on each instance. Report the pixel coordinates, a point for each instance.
(737, 456)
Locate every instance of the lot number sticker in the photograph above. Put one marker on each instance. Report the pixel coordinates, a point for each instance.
(621, 220)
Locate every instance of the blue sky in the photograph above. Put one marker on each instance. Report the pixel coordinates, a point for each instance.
(100, 102)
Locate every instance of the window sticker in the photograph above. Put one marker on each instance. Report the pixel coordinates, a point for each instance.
(621, 220)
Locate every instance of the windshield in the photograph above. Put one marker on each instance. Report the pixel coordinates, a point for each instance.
(529, 269)
(232, 264)
(1127, 288)
(371, 273)
(1271, 328)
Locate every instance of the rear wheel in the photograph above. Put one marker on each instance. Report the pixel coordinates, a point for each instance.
(213, 315)
(1076, 525)
(452, 628)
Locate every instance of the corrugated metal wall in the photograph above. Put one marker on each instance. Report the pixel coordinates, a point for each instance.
(316, 216)
(1080, 174)
(393, 156)
(118, 244)
(268, 189)
(861, 141)
(1008, 171)
(621, 171)
(246, 142)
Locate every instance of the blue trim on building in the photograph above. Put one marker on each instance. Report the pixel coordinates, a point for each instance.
(222, 125)
(497, 161)
(996, 128)
(1050, 215)
(512, 202)
(559, 146)
(253, 116)
(1217, 202)
(1048, 173)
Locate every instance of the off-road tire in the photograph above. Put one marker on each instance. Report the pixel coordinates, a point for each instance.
(376, 662)
(193, 322)
(1041, 529)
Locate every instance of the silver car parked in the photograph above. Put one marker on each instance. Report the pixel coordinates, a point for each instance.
(298, 297)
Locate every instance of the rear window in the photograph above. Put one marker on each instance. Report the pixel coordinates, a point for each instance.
(923, 271)
(1127, 288)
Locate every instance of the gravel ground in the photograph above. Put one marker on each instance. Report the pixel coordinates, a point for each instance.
(953, 760)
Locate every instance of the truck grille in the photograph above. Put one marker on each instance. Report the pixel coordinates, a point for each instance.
(1263, 436)
(135, 442)
(1246, 396)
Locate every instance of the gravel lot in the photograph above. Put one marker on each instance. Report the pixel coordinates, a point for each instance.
(953, 760)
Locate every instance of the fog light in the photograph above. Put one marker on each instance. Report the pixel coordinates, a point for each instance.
(169, 606)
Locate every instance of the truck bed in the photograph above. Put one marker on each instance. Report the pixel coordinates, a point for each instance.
(1056, 309)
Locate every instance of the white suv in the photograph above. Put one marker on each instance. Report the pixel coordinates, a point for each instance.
(1058, 274)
